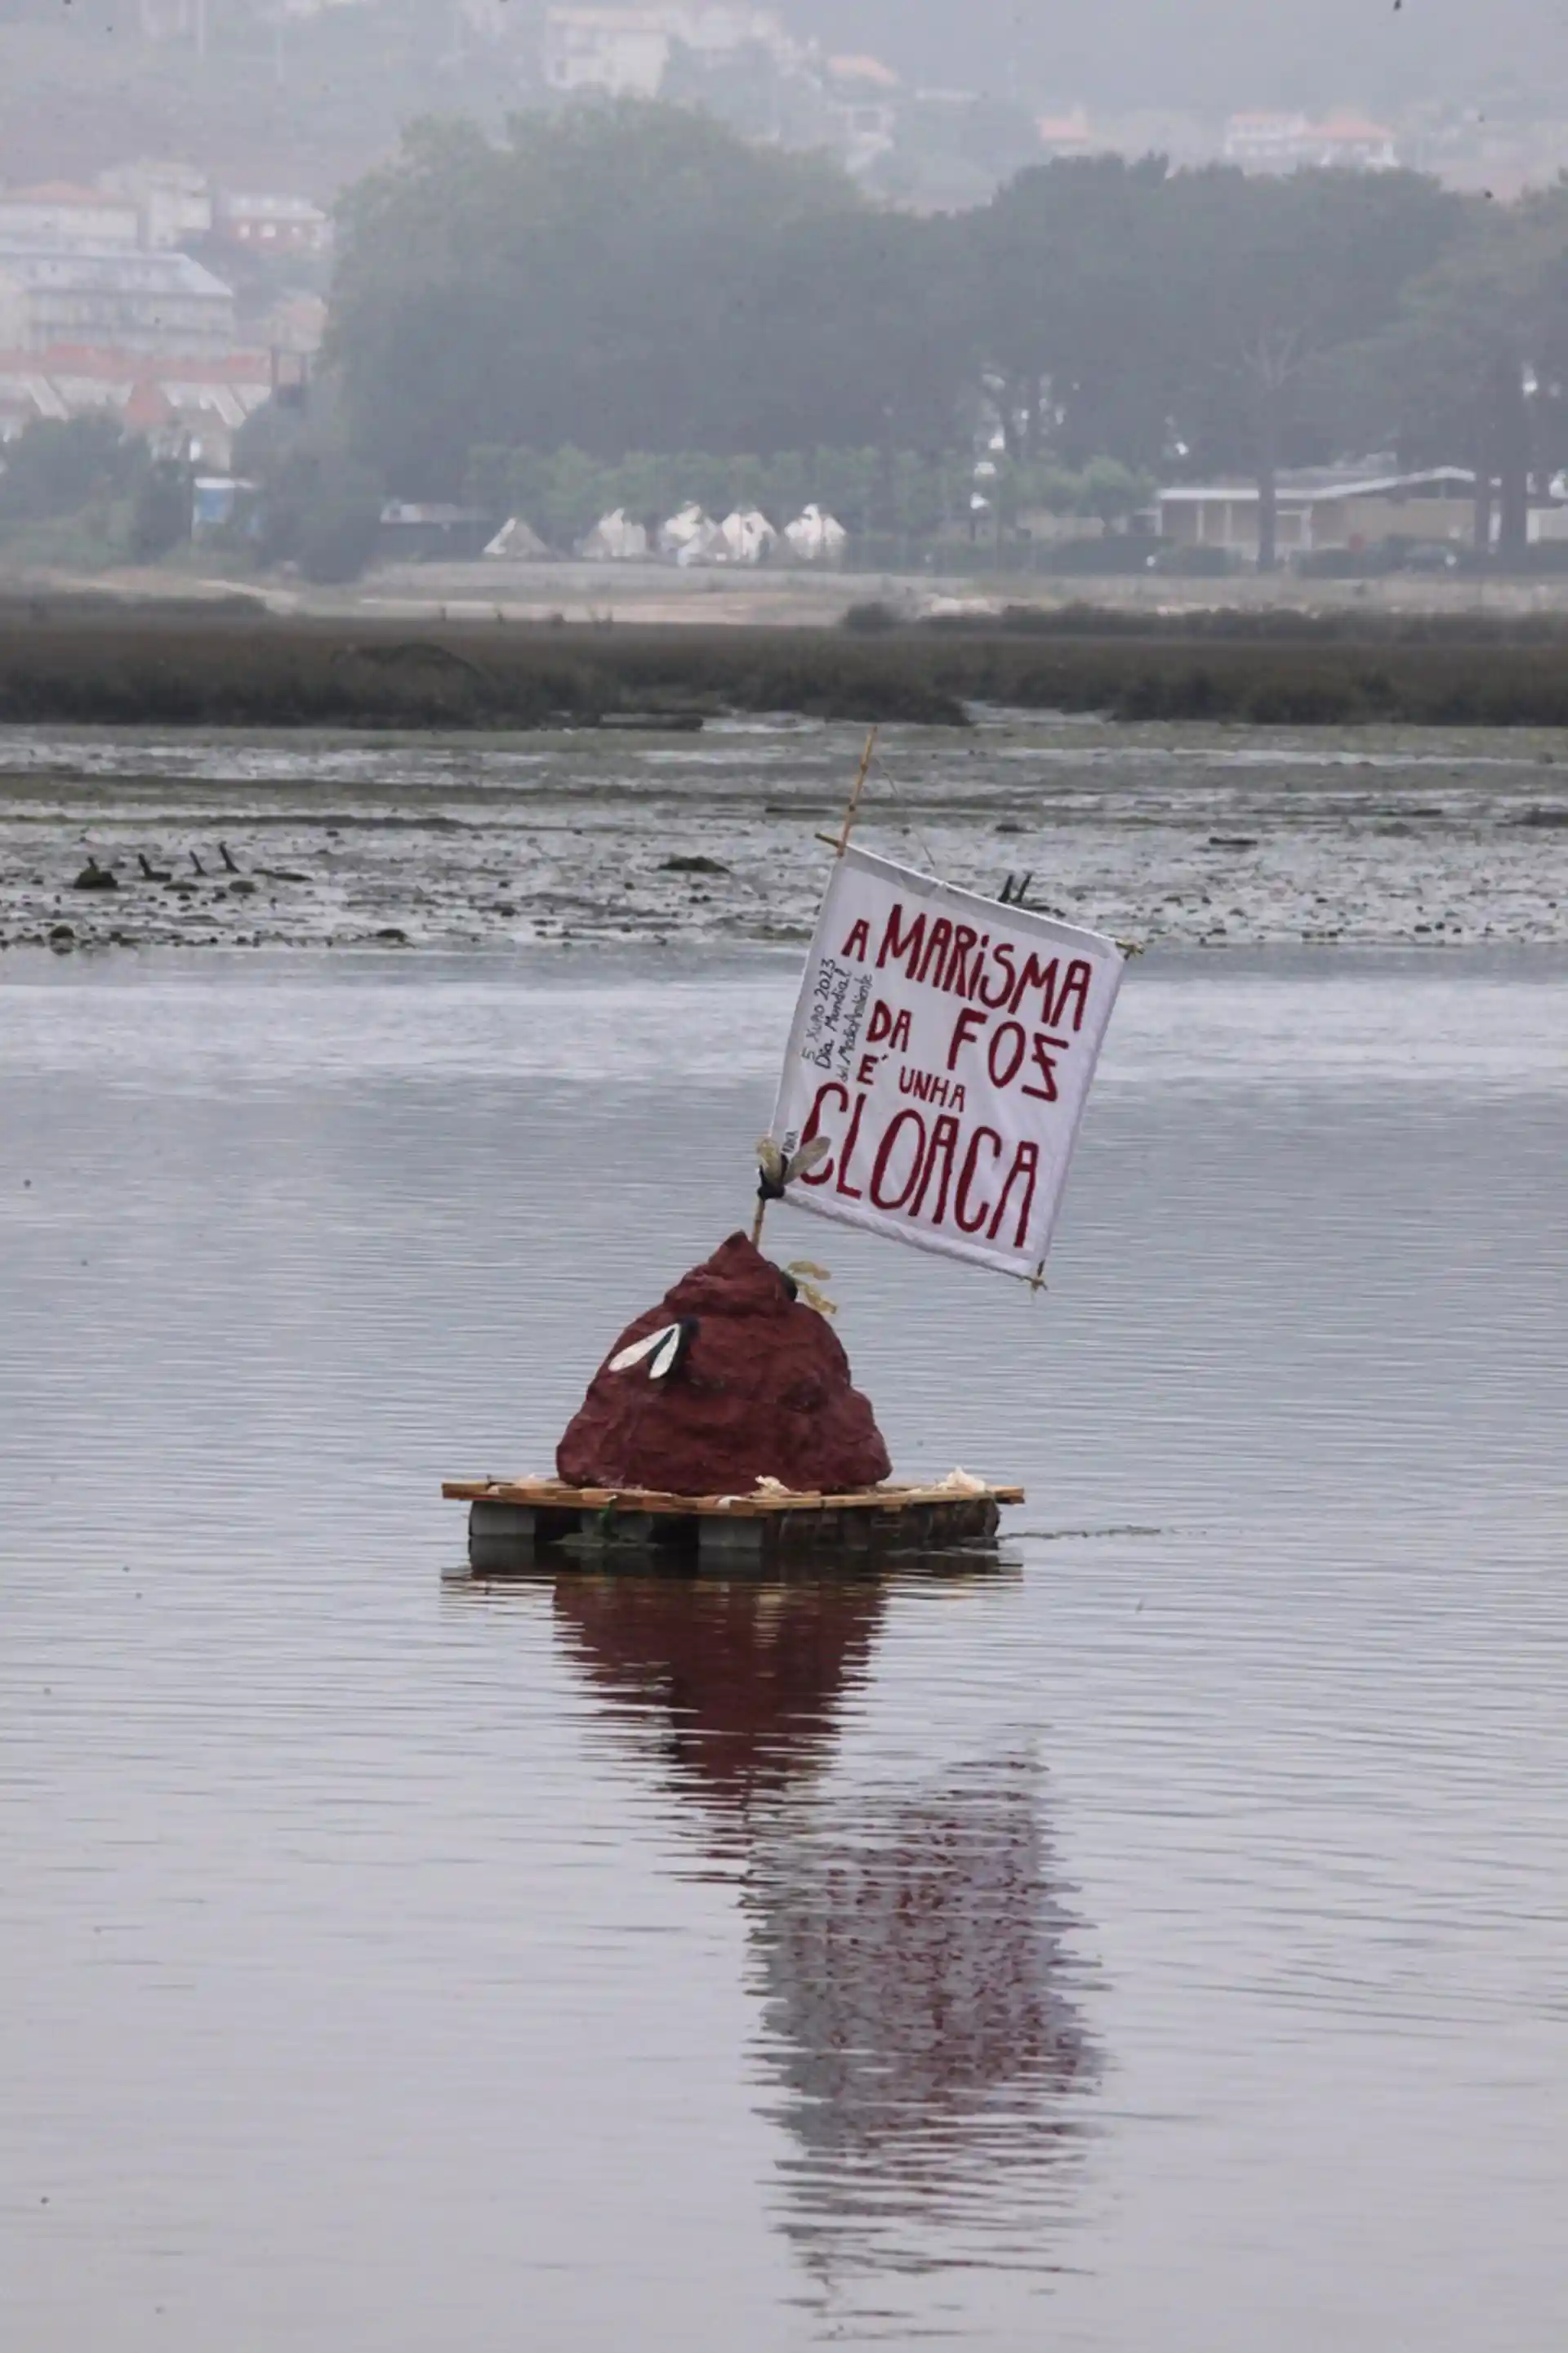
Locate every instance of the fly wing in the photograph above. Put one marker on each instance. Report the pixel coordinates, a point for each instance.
(623, 1361)
(807, 1157)
(665, 1362)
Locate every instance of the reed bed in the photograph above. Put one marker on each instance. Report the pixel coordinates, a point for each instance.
(255, 670)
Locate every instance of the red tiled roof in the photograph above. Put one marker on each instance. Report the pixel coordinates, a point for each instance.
(864, 70)
(99, 360)
(149, 406)
(63, 192)
(1351, 127)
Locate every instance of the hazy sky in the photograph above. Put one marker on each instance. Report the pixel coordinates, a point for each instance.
(1211, 55)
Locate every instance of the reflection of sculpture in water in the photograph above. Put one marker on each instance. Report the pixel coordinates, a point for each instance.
(746, 1676)
(909, 1938)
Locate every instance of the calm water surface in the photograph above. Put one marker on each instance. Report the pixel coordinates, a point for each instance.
(1153, 1946)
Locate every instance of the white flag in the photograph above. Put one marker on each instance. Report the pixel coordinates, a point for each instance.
(944, 1045)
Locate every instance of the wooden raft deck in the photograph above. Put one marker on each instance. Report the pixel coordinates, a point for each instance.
(514, 1521)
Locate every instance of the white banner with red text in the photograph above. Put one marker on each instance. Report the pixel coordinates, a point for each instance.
(944, 1045)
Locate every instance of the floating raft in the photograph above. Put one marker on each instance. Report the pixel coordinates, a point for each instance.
(512, 1521)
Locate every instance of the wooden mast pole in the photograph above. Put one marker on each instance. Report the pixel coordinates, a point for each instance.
(853, 811)
(838, 844)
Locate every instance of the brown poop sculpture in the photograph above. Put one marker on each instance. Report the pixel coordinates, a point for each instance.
(761, 1389)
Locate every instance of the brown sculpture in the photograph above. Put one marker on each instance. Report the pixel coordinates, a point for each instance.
(737, 1380)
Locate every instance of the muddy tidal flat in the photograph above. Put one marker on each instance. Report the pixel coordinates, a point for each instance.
(1158, 833)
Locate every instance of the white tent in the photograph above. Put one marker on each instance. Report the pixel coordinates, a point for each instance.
(690, 528)
(816, 537)
(746, 536)
(518, 540)
(614, 540)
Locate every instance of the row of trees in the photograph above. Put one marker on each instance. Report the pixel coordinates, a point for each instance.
(634, 279)
(84, 490)
(86, 470)
(563, 492)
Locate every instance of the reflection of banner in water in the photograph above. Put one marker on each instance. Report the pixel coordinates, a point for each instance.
(919, 2017)
(747, 1676)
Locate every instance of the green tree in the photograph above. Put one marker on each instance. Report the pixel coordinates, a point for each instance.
(527, 482)
(56, 466)
(788, 486)
(845, 484)
(575, 490)
(319, 505)
(597, 280)
(999, 135)
(742, 89)
(863, 337)
(161, 509)
(341, 528)
(661, 314)
(645, 483)
(1112, 492)
(1273, 277)
(1139, 314)
(1474, 366)
(747, 485)
(487, 479)
(1079, 325)
(916, 493)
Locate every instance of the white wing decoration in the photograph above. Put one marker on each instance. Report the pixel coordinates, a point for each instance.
(666, 1347)
(643, 1348)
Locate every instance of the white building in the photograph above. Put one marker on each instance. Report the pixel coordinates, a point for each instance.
(192, 20)
(273, 223)
(57, 214)
(160, 303)
(1290, 143)
(174, 201)
(622, 52)
(1324, 508)
(862, 98)
(1065, 134)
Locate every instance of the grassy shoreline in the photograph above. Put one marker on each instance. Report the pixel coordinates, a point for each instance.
(177, 666)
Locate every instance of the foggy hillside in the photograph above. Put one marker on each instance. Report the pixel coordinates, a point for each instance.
(308, 96)
(1210, 56)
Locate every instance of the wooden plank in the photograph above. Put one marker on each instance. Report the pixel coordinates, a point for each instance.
(867, 1526)
(555, 1494)
(551, 1493)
